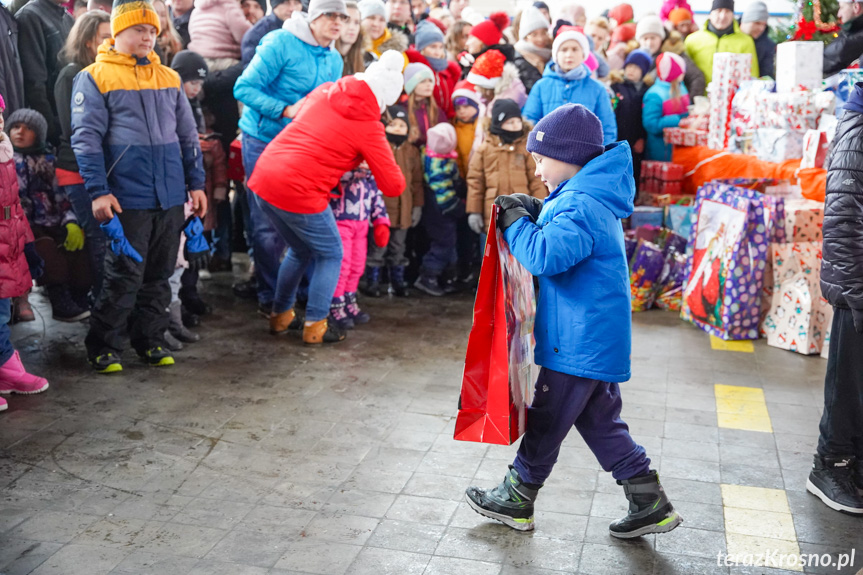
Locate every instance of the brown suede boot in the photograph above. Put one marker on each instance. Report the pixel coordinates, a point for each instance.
(322, 331)
(280, 322)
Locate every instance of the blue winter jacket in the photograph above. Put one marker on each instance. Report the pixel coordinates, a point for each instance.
(655, 147)
(576, 250)
(133, 131)
(554, 90)
(288, 65)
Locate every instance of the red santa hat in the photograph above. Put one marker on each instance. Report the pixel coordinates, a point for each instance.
(487, 70)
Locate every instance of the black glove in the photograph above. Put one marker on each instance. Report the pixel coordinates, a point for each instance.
(511, 210)
(531, 204)
(34, 262)
(857, 314)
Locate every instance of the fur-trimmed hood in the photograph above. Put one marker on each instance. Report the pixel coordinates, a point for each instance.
(398, 42)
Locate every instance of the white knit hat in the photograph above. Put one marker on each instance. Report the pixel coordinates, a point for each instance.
(650, 24)
(385, 78)
(566, 34)
(318, 8)
(372, 8)
(531, 19)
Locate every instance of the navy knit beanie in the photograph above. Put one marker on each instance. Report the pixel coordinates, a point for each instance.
(30, 118)
(571, 134)
(640, 58)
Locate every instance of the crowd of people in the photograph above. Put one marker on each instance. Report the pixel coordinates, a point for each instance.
(348, 147)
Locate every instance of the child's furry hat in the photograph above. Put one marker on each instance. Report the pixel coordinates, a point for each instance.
(32, 119)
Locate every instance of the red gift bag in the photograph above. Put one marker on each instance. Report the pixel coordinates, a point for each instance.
(499, 372)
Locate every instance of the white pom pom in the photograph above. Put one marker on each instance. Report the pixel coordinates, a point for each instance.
(393, 60)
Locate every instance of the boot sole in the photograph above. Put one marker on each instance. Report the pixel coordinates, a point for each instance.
(427, 291)
(73, 319)
(517, 524)
(811, 488)
(113, 368)
(11, 391)
(664, 526)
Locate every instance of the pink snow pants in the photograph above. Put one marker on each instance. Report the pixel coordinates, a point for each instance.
(354, 244)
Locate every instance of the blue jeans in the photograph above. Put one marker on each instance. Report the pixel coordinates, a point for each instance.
(562, 401)
(6, 349)
(312, 238)
(96, 244)
(267, 244)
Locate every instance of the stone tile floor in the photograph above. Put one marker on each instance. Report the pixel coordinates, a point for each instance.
(256, 455)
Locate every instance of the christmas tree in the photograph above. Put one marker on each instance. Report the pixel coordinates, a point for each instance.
(812, 20)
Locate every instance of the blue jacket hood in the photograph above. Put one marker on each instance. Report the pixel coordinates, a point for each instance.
(607, 178)
(855, 99)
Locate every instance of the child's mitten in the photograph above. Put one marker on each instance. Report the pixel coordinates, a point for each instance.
(197, 250)
(382, 235)
(74, 237)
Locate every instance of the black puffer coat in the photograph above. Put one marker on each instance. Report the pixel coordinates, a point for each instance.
(842, 266)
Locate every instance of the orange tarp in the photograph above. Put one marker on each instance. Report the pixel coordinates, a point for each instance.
(706, 164)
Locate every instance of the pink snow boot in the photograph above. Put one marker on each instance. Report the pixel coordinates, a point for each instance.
(15, 379)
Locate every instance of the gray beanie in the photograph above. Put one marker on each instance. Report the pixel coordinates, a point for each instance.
(427, 34)
(372, 8)
(32, 119)
(318, 8)
(755, 12)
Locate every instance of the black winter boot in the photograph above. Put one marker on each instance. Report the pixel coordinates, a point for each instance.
(832, 481)
(63, 306)
(650, 511)
(511, 502)
(372, 286)
(428, 283)
(398, 285)
(352, 309)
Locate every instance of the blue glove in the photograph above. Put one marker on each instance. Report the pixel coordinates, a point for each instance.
(197, 250)
(34, 262)
(119, 244)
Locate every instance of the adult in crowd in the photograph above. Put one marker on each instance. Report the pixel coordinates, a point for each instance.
(11, 75)
(282, 10)
(456, 7)
(533, 49)
(373, 19)
(599, 31)
(254, 10)
(754, 23)
(574, 14)
(43, 26)
(181, 13)
(848, 46)
(168, 42)
(103, 5)
(693, 79)
(486, 35)
(429, 50)
(399, 18)
(289, 64)
(720, 33)
(650, 33)
(837, 472)
(352, 42)
(456, 37)
(543, 8)
(88, 33)
(216, 29)
(298, 171)
(680, 20)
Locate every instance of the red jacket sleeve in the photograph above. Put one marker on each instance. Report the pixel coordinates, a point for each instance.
(377, 152)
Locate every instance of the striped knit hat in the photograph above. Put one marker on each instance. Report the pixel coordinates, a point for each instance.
(670, 67)
(128, 13)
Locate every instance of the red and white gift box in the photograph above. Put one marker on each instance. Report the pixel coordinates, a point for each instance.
(685, 137)
(815, 147)
(729, 70)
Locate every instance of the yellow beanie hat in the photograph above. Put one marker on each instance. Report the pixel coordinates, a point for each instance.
(127, 13)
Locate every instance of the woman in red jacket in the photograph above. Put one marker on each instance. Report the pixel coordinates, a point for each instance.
(338, 126)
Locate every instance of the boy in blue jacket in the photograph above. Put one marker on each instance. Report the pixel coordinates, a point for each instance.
(573, 243)
(136, 143)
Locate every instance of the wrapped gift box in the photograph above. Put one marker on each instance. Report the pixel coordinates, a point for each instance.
(799, 66)
(729, 70)
(744, 110)
(776, 145)
(685, 137)
(815, 147)
(693, 122)
(647, 264)
(804, 220)
(661, 178)
(799, 318)
(799, 111)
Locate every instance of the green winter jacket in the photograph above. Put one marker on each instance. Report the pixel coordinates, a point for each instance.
(702, 45)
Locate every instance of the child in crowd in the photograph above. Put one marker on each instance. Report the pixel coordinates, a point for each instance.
(665, 104)
(466, 103)
(629, 89)
(650, 33)
(125, 101)
(501, 166)
(430, 51)
(573, 244)
(405, 210)
(693, 79)
(360, 202)
(442, 209)
(567, 80)
(59, 238)
(216, 30)
(423, 110)
(494, 78)
(533, 47)
(15, 272)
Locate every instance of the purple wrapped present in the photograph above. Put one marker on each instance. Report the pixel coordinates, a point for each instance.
(647, 266)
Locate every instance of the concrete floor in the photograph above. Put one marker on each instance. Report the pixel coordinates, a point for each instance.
(257, 455)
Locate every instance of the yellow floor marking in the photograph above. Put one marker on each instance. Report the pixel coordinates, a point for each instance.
(758, 523)
(740, 407)
(743, 345)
